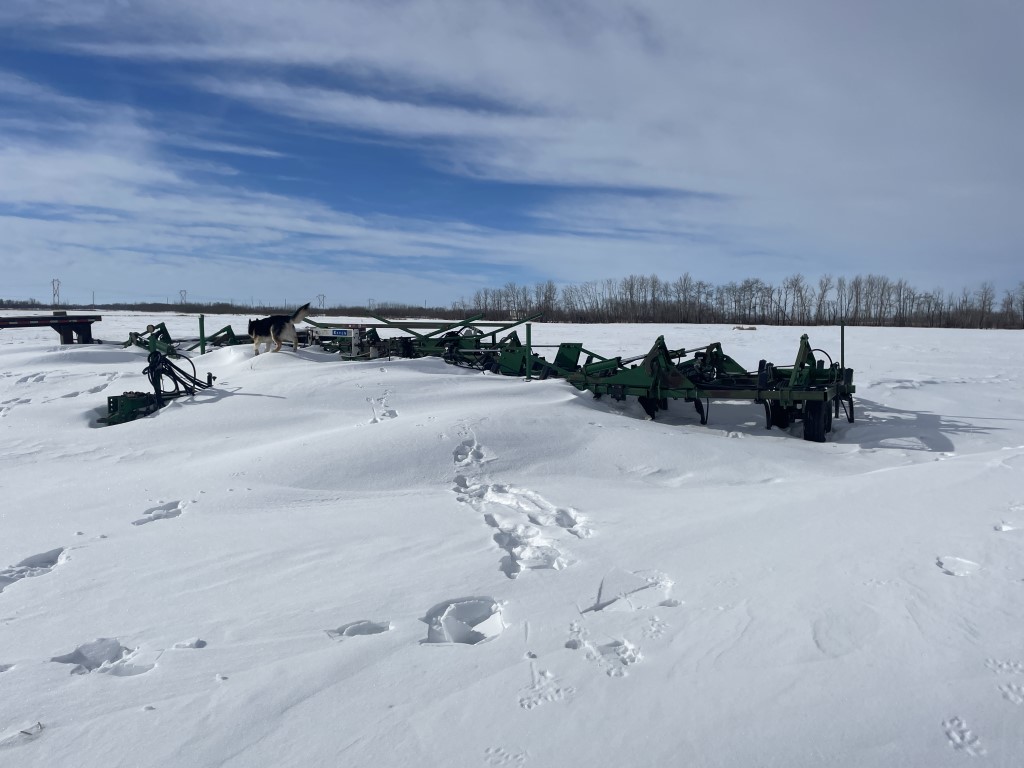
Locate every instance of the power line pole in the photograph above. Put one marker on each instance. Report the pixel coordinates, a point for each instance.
(56, 291)
(184, 296)
(320, 298)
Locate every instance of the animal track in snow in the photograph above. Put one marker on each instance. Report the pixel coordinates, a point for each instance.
(191, 643)
(497, 756)
(961, 738)
(655, 628)
(525, 520)
(956, 566)
(357, 628)
(37, 565)
(611, 657)
(1011, 667)
(543, 688)
(1013, 693)
(577, 636)
(614, 657)
(1005, 526)
(8, 405)
(527, 549)
(468, 453)
(105, 655)
(522, 502)
(162, 512)
(382, 411)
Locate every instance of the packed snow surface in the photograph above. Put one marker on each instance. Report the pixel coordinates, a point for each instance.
(404, 563)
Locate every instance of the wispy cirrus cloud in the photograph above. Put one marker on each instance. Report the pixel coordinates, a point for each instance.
(666, 134)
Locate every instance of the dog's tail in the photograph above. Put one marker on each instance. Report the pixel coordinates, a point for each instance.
(301, 313)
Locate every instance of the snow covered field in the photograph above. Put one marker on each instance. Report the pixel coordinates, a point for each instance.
(404, 563)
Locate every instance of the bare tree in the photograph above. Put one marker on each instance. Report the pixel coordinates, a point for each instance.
(821, 304)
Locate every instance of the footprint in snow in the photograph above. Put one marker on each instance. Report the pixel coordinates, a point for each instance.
(468, 453)
(961, 738)
(1001, 667)
(613, 657)
(382, 411)
(37, 565)
(521, 502)
(498, 756)
(161, 512)
(105, 655)
(8, 405)
(191, 643)
(358, 628)
(525, 522)
(1013, 693)
(956, 566)
(527, 549)
(543, 688)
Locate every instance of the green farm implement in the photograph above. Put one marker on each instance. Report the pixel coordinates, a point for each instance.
(159, 338)
(169, 381)
(812, 390)
(809, 390)
(471, 342)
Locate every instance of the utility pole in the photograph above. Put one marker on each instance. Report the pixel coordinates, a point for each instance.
(56, 291)
(320, 298)
(184, 296)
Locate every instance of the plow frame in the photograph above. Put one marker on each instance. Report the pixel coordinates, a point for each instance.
(807, 391)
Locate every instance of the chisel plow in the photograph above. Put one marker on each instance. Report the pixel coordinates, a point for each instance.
(813, 390)
(809, 390)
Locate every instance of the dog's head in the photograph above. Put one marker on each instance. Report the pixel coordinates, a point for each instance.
(252, 327)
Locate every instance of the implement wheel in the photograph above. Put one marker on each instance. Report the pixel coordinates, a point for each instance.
(701, 411)
(814, 420)
(777, 415)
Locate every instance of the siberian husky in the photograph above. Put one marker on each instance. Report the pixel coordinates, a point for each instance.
(277, 328)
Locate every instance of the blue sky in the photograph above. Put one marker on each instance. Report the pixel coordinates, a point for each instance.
(418, 151)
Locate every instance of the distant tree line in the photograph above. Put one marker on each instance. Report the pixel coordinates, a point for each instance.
(861, 300)
(379, 309)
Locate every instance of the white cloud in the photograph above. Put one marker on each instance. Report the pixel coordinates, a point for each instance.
(837, 138)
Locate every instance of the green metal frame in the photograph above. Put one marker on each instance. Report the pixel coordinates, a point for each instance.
(807, 391)
(154, 337)
(463, 342)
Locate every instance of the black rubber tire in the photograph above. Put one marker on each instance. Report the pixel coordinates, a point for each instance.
(780, 416)
(650, 406)
(698, 404)
(814, 421)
